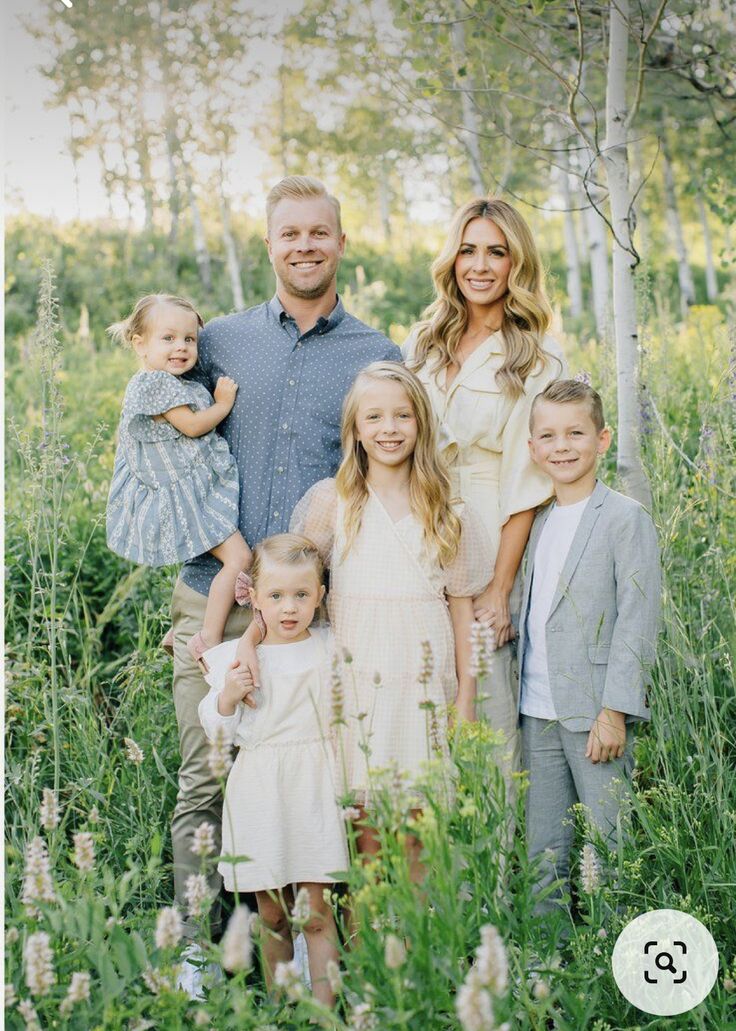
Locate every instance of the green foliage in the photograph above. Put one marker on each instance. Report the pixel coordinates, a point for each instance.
(85, 672)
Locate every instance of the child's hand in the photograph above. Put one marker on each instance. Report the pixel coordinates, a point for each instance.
(607, 737)
(225, 391)
(238, 687)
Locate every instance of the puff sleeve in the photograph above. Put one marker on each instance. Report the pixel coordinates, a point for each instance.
(315, 516)
(153, 393)
(470, 572)
(522, 484)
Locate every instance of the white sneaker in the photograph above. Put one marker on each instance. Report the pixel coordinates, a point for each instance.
(195, 973)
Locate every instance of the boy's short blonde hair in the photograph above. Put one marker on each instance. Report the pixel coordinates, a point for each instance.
(300, 187)
(571, 391)
(290, 549)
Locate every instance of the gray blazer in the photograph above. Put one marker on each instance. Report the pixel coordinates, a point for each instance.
(603, 621)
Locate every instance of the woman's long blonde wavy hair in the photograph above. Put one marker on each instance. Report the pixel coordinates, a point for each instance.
(527, 314)
(429, 481)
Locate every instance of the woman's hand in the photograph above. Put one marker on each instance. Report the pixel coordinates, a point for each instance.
(465, 707)
(491, 608)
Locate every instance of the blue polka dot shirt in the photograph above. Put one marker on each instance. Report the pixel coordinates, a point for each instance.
(284, 429)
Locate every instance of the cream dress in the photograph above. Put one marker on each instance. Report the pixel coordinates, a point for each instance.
(483, 436)
(387, 598)
(281, 800)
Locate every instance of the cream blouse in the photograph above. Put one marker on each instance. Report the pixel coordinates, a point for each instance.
(484, 433)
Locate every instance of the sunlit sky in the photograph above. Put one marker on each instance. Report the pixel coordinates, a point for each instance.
(38, 171)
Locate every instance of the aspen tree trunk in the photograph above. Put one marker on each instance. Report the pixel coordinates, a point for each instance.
(684, 273)
(201, 252)
(615, 157)
(561, 183)
(711, 281)
(596, 233)
(231, 254)
(471, 128)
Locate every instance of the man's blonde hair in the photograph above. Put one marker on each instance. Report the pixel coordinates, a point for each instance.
(300, 187)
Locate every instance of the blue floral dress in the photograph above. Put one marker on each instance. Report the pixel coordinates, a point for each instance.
(172, 497)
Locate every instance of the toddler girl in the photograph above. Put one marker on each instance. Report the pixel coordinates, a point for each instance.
(174, 491)
(280, 807)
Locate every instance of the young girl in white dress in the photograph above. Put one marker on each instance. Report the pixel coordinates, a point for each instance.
(174, 492)
(281, 809)
(405, 562)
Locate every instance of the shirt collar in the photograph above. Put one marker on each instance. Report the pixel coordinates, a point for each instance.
(323, 324)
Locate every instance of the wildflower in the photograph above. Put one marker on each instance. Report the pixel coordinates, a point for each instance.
(84, 851)
(473, 1004)
(334, 977)
(10, 996)
(337, 695)
(237, 945)
(78, 991)
(362, 1017)
(37, 883)
(202, 1018)
(583, 377)
(350, 814)
(133, 752)
(160, 981)
(707, 452)
(590, 871)
(12, 935)
(94, 815)
(49, 810)
(729, 984)
(197, 894)
(287, 976)
(427, 667)
(203, 840)
(168, 928)
(540, 989)
(219, 758)
(394, 952)
(28, 1011)
(490, 960)
(602, 932)
(302, 910)
(482, 646)
(38, 963)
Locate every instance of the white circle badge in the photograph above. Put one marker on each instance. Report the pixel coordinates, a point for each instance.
(665, 962)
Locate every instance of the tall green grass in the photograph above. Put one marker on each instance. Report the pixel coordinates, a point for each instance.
(84, 672)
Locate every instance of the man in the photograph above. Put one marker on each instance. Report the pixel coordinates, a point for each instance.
(294, 359)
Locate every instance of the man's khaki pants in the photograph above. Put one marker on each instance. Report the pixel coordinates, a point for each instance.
(199, 797)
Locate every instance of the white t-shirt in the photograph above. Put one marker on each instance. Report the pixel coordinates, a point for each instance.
(549, 559)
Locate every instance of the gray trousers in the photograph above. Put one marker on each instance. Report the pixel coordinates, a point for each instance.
(500, 691)
(199, 797)
(560, 776)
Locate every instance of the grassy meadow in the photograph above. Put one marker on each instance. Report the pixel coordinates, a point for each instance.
(84, 672)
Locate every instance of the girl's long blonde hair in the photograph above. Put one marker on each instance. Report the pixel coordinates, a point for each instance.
(429, 481)
(527, 314)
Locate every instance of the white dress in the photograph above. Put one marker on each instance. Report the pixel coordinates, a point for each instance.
(281, 806)
(387, 601)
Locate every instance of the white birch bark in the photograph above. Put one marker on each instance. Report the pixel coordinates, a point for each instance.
(684, 273)
(711, 281)
(231, 254)
(596, 233)
(384, 198)
(201, 252)
(469, 134)
(615, 157)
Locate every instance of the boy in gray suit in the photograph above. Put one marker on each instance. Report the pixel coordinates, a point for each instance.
(587, 630)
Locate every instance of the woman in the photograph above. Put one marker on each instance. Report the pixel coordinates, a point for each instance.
(483, 353)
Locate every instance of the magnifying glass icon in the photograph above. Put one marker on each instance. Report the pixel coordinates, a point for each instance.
(669, 963)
